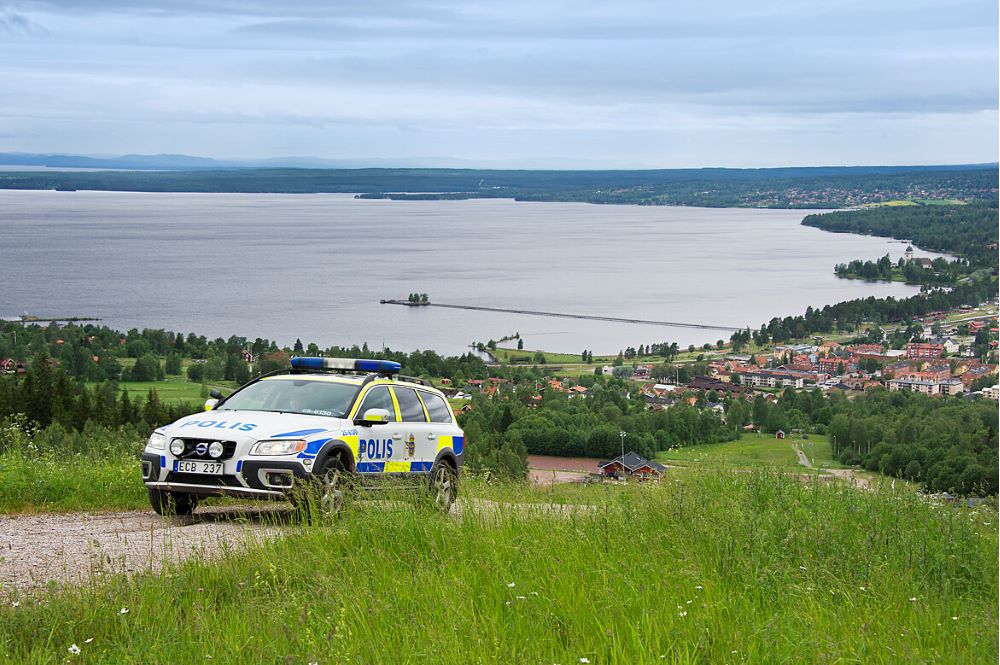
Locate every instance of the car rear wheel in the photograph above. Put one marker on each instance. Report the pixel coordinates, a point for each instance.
(171, 503)
(443, 486)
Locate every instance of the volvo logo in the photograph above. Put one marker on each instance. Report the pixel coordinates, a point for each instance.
(201, 448)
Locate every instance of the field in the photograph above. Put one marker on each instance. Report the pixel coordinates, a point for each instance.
(172, 390)
(754, 450)
(716, 568)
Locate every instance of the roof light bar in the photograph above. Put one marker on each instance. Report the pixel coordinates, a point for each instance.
(347, 364)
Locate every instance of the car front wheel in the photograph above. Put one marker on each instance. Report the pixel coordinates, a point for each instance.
(326, 493)
(171, 503)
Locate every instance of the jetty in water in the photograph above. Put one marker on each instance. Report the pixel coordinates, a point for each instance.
(589, 317)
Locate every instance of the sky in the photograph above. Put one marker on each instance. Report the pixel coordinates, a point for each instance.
(531, 84)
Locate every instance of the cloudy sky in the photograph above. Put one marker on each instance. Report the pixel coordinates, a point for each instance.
(533, 83)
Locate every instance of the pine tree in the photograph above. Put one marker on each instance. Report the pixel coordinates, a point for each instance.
(38, 390)
(153, 411)
(126, 413)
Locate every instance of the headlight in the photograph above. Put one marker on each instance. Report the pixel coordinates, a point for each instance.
(283, 447)
(157, 441)
(176, 447)
(215, 449)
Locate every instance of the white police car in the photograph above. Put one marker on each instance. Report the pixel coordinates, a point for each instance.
(317, 429)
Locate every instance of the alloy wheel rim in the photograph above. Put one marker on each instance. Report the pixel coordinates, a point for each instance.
(333, 492)
(442, 486)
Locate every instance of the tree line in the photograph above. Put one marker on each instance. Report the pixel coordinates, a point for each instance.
(969, 231)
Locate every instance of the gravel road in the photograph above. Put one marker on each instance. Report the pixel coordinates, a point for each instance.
(74, 548)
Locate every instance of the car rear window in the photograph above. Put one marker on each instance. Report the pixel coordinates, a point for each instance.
(437, 409)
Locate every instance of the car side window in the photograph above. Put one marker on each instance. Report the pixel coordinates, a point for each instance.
(410, 409)
(437, 409)
(378, 398)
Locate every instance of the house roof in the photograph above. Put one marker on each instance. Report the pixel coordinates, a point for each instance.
(633, 461)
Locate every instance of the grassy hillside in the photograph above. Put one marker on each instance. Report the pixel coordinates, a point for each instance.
(754, 450)
(711, 567)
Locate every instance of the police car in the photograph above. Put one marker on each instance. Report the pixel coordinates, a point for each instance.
(319, 429)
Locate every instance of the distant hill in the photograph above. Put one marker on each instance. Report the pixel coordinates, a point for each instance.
(171, 162)
(167, 162)
(789, 187)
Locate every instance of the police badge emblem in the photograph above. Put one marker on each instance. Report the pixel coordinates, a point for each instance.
(411, 446)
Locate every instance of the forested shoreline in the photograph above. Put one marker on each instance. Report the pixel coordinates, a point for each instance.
(814, 187)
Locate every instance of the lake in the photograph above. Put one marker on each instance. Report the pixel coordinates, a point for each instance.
(315, 267)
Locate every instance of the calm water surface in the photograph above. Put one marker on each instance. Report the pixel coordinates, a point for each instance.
(315, 266)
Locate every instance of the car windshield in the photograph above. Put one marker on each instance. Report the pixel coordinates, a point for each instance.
(314, 398)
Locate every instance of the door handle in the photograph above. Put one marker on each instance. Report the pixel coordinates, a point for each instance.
(432, 436)
(397, 435)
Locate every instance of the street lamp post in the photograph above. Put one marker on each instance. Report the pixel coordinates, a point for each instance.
(622, 434)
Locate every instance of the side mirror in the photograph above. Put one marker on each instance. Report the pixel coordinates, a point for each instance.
(373, 417)
(215, 394)
(210, 403)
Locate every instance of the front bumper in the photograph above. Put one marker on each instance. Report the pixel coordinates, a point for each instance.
(256, 478)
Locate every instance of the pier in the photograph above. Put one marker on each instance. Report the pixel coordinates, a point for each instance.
(27, 318)
(589, 317)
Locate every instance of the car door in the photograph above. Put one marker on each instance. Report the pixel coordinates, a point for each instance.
(418, 437)
(449, 435)
(376, 445)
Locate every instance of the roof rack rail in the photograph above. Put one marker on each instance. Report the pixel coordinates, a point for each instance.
(414, 379)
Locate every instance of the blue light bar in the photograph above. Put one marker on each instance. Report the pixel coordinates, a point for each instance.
(382, 366)
(307, 363)
(347, 364)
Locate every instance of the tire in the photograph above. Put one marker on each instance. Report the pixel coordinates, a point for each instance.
(327, 493)
(443, 486)
(171, 503)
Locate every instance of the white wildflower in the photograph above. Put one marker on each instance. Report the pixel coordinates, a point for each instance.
(88, 640)
(802, 567)
(913, 600)
(862, 588)
(698, 587)
(123, 610)
(511, 585)
(73, 649)
(15, 603)
(954, 618)
(584, 660)
(522, 598)
(682, 614)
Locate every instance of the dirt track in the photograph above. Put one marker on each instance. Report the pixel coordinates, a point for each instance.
(76, 547)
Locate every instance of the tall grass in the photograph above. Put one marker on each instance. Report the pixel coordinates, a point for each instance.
(717, 567)
(55, 469)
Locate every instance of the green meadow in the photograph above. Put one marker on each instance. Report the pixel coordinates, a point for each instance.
(755, 450)
(172, 390)
(709, 567)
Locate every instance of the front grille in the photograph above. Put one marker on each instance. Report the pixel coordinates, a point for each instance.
(191, 449)
(199, 479)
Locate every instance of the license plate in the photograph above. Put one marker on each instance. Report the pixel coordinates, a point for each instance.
(196, 466)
